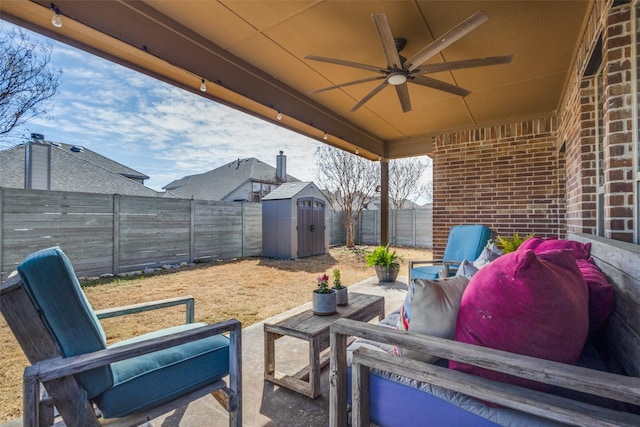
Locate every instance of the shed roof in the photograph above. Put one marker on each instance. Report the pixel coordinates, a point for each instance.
(289, 190)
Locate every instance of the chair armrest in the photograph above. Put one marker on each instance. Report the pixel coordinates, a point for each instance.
(188, 301)
(613, 386)
(430, 261)
(60, 367)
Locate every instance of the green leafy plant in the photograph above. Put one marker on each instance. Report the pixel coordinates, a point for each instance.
(323, 284)
(336, 279)
(383, 257)
(510, 244)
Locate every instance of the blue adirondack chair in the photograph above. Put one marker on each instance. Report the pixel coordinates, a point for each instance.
(137, 379)
(465, 243)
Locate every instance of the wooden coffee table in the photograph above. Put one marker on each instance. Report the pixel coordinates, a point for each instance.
(315, 330)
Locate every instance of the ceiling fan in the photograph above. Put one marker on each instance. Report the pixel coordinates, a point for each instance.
(400, 71)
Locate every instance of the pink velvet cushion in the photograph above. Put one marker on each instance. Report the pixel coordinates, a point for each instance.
(528, 304)
(538, 245)
(601, 294)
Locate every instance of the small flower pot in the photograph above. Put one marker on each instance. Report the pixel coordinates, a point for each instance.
(325, 304)
(342, 297)
(385, 274)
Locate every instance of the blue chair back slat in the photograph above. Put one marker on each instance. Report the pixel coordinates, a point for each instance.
(466, 242)
(52, 284)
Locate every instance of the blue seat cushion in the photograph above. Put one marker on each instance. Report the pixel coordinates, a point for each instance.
(156, 378)
(431, 272)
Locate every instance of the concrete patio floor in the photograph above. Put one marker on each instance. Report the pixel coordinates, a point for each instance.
(265, 404)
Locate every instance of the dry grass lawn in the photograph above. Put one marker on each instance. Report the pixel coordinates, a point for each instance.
(249, 289)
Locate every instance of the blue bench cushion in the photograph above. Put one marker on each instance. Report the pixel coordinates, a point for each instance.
(52, 284)
(152, 379)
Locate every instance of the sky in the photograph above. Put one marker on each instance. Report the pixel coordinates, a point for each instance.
(153, 127)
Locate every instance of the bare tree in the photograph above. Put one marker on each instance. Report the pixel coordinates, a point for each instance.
(404, 180)
(27, 80)
(349, 182)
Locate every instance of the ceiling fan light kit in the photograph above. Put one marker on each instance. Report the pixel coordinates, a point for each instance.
(397, 78)
(400, 71)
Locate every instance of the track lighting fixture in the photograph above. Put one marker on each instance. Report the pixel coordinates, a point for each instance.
(279, 116)
(357, 150)
(203, 87)
(56, 20)
(325, 136)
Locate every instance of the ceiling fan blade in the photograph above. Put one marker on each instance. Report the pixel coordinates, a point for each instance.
(466, 63)
(369, 96)
(346, 63)
(355, 82)
(403, 96)
(387, 41)
(447, 39)
(439, 85)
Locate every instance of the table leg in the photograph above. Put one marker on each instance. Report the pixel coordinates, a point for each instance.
(314, 366)
(269, 355)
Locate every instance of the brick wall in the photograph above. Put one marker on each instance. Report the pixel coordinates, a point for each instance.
(579, 139)
(618, 131)
(577, 131)
(506, 177)
(542, 175)
(577, 127)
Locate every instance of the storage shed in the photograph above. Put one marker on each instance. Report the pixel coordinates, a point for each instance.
(293, 221)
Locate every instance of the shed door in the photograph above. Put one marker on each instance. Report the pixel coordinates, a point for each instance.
(311, 225)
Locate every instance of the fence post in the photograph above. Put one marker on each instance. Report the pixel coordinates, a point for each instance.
(1, 228)
(115, 260)
(413, 228)
(376, 224)
(192, 230)
(242, 228)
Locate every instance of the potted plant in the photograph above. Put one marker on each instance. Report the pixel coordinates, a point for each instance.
(341, 291)
(510, 244)
(324, 298)
(385, 262)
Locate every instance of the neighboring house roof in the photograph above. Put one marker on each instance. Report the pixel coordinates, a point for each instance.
(105, 162)
(75, 170)
(219, 182)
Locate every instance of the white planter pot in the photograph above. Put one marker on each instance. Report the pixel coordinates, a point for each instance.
(342, 297)
(325, 304)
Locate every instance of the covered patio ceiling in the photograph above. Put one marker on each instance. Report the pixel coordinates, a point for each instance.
(251, 55)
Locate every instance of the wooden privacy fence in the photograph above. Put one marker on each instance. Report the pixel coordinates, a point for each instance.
(104, 233)
(407, 227)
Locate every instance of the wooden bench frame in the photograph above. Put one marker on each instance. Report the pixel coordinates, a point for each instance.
(54, 372)
(620, 261)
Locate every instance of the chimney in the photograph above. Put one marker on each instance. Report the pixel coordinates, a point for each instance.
(281, 167)
(37, 163)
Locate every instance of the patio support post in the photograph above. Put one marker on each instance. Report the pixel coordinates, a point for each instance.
(384, 201)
